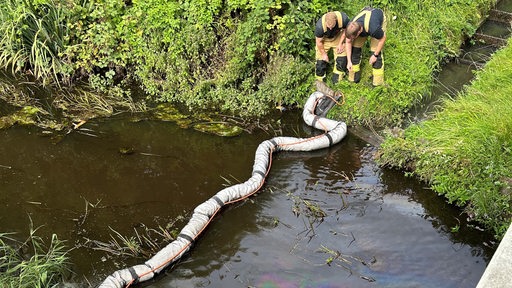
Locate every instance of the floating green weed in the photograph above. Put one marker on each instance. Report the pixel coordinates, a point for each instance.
(220, 129)
(25, 116)
(207, 123)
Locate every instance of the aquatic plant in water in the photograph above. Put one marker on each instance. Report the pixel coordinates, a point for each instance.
(31, 263)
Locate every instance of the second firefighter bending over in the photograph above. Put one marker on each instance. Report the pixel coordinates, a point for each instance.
(369, 22)
(330, 34)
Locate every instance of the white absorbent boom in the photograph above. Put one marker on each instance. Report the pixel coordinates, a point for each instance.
(202, 215)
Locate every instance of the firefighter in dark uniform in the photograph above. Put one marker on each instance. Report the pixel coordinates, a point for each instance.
(330, 34)
(369, 22)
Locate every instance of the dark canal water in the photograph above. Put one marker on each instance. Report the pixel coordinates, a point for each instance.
(379, 228)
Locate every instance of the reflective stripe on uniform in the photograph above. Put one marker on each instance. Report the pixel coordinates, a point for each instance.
(379, 71)
(366, 14)
(378, 80)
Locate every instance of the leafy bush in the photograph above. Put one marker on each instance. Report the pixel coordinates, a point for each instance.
(212, 54)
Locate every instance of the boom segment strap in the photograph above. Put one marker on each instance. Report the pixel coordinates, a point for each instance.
(203, 214)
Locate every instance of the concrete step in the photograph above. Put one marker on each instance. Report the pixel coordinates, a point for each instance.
(498, 272)
(494, 32)
(500, 16)
(504, 5)
(495, 28)
(491, 40)
(367, 134)
(476, 54)
(477, 65)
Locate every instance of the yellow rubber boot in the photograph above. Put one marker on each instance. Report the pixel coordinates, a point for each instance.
(354, 75)
(378, 77)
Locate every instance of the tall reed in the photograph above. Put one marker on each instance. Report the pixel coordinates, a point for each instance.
(32, 38)
(46, 267)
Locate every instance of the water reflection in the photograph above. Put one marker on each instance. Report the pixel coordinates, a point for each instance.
(378, 228)
(384, 235)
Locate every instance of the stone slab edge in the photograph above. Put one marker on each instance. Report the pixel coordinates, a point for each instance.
(498, 273)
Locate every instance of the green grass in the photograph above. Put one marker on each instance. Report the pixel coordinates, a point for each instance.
(246, 57)
(33, 38)
(31, 264)
(415, 47)
(465, 151)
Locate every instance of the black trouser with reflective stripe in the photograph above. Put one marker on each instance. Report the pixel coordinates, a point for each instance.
(340, 60)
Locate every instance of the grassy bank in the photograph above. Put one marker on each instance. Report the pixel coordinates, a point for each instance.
(416, 46)
(240, 57)
(465, 151)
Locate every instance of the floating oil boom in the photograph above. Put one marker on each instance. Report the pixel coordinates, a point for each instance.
(315, 110)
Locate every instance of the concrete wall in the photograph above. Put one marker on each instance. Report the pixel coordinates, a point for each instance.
(498, 273)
